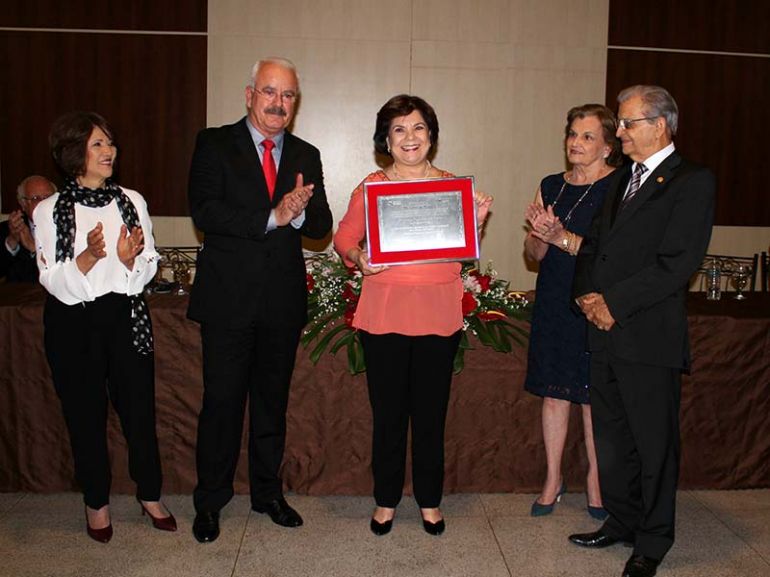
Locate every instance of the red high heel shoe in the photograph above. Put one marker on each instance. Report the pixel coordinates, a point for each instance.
(102, 535)
(162, 523)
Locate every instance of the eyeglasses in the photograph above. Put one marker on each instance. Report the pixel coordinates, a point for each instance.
(628, 123)
(272, 93)
(34, 198)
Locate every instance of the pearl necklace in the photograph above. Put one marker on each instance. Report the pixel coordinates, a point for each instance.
(428, 166)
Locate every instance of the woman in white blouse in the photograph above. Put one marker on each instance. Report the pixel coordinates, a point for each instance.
(96, 253)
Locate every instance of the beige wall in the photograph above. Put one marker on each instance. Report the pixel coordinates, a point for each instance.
(500, 73)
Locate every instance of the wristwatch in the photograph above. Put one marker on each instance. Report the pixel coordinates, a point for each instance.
(565, 242)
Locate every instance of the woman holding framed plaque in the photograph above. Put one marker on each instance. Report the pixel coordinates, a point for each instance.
(409, 317)
(557, 366)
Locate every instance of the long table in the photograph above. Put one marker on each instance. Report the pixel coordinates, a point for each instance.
(493, 440)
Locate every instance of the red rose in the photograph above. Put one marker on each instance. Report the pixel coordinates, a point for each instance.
(483, 279)
(310, 283)
(348, 316)
(469, 304)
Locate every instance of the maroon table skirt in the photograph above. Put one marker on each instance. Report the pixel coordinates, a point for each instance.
(493, 439)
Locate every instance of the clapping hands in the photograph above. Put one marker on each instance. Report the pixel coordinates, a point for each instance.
(545, 225)
(129, 245)
(19, 233)
(293, 203)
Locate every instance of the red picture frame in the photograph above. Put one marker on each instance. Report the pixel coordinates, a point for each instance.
(452, 194)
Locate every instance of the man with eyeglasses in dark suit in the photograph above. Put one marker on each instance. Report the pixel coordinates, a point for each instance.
(631, 281)
(254, 190)
(17, 253)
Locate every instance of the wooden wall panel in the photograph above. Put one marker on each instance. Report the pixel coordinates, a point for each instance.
(723, 119)
(168, 15)
(715, 25)
(151, 88)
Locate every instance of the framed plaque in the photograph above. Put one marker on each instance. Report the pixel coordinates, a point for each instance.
(421, 221)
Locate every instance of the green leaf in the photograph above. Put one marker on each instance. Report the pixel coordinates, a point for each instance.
(342, 341)
(356, 361)
(315, 329)
(459, 361)
(481, 331)
(465, 343)
(324, 342)
(502, 339)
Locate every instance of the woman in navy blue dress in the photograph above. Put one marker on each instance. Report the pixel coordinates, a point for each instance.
(558, 362)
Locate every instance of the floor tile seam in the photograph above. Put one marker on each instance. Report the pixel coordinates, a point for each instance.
(499, 546)
(240, 544)
(735, 533)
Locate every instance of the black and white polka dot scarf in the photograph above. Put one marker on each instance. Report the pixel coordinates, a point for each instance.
(64, 219)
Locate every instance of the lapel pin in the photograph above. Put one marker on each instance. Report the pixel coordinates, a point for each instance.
(660, 179)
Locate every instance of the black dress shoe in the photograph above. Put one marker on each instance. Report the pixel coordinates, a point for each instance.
(280, 512)
(206, 527)
(595, 540)
(436, 528)
(381, 529)
(640, 566)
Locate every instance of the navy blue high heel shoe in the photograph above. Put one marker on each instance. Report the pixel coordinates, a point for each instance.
(540, 510)
(598, 513)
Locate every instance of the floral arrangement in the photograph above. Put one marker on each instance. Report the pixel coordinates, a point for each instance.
(334, 289)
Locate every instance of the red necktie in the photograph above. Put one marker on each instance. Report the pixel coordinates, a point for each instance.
(268, 166)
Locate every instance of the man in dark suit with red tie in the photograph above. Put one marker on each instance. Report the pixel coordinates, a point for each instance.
(254, 190)
(631, 282)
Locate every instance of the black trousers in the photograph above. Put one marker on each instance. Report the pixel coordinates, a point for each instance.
(409, 377)
(635, 412)
(253, 363)
(92, 359)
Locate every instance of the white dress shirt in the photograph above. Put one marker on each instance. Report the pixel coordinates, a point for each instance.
(64, 279)
(257, 137)
(652, 162)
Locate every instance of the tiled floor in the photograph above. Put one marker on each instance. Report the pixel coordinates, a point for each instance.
(720, 533)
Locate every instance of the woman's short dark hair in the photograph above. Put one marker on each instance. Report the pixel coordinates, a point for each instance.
(609, 127)
(403, 105)
(68, 140)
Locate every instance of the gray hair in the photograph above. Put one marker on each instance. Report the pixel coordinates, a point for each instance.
(20, 190)
(282, 62)
(657, 102)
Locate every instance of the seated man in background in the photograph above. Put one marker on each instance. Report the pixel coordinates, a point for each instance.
(17, 255)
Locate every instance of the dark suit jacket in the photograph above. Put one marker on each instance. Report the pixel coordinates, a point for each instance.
(642, 257)
(242, 273)
(21, 267)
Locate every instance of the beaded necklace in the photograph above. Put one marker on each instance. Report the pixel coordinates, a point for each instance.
(579, 200)
(428, 166)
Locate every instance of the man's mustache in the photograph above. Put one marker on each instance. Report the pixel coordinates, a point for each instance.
(277, 110)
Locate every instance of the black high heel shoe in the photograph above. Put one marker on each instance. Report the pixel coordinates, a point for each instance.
(436, 528)
(432, 528)
(380, 529)
(161, 523)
